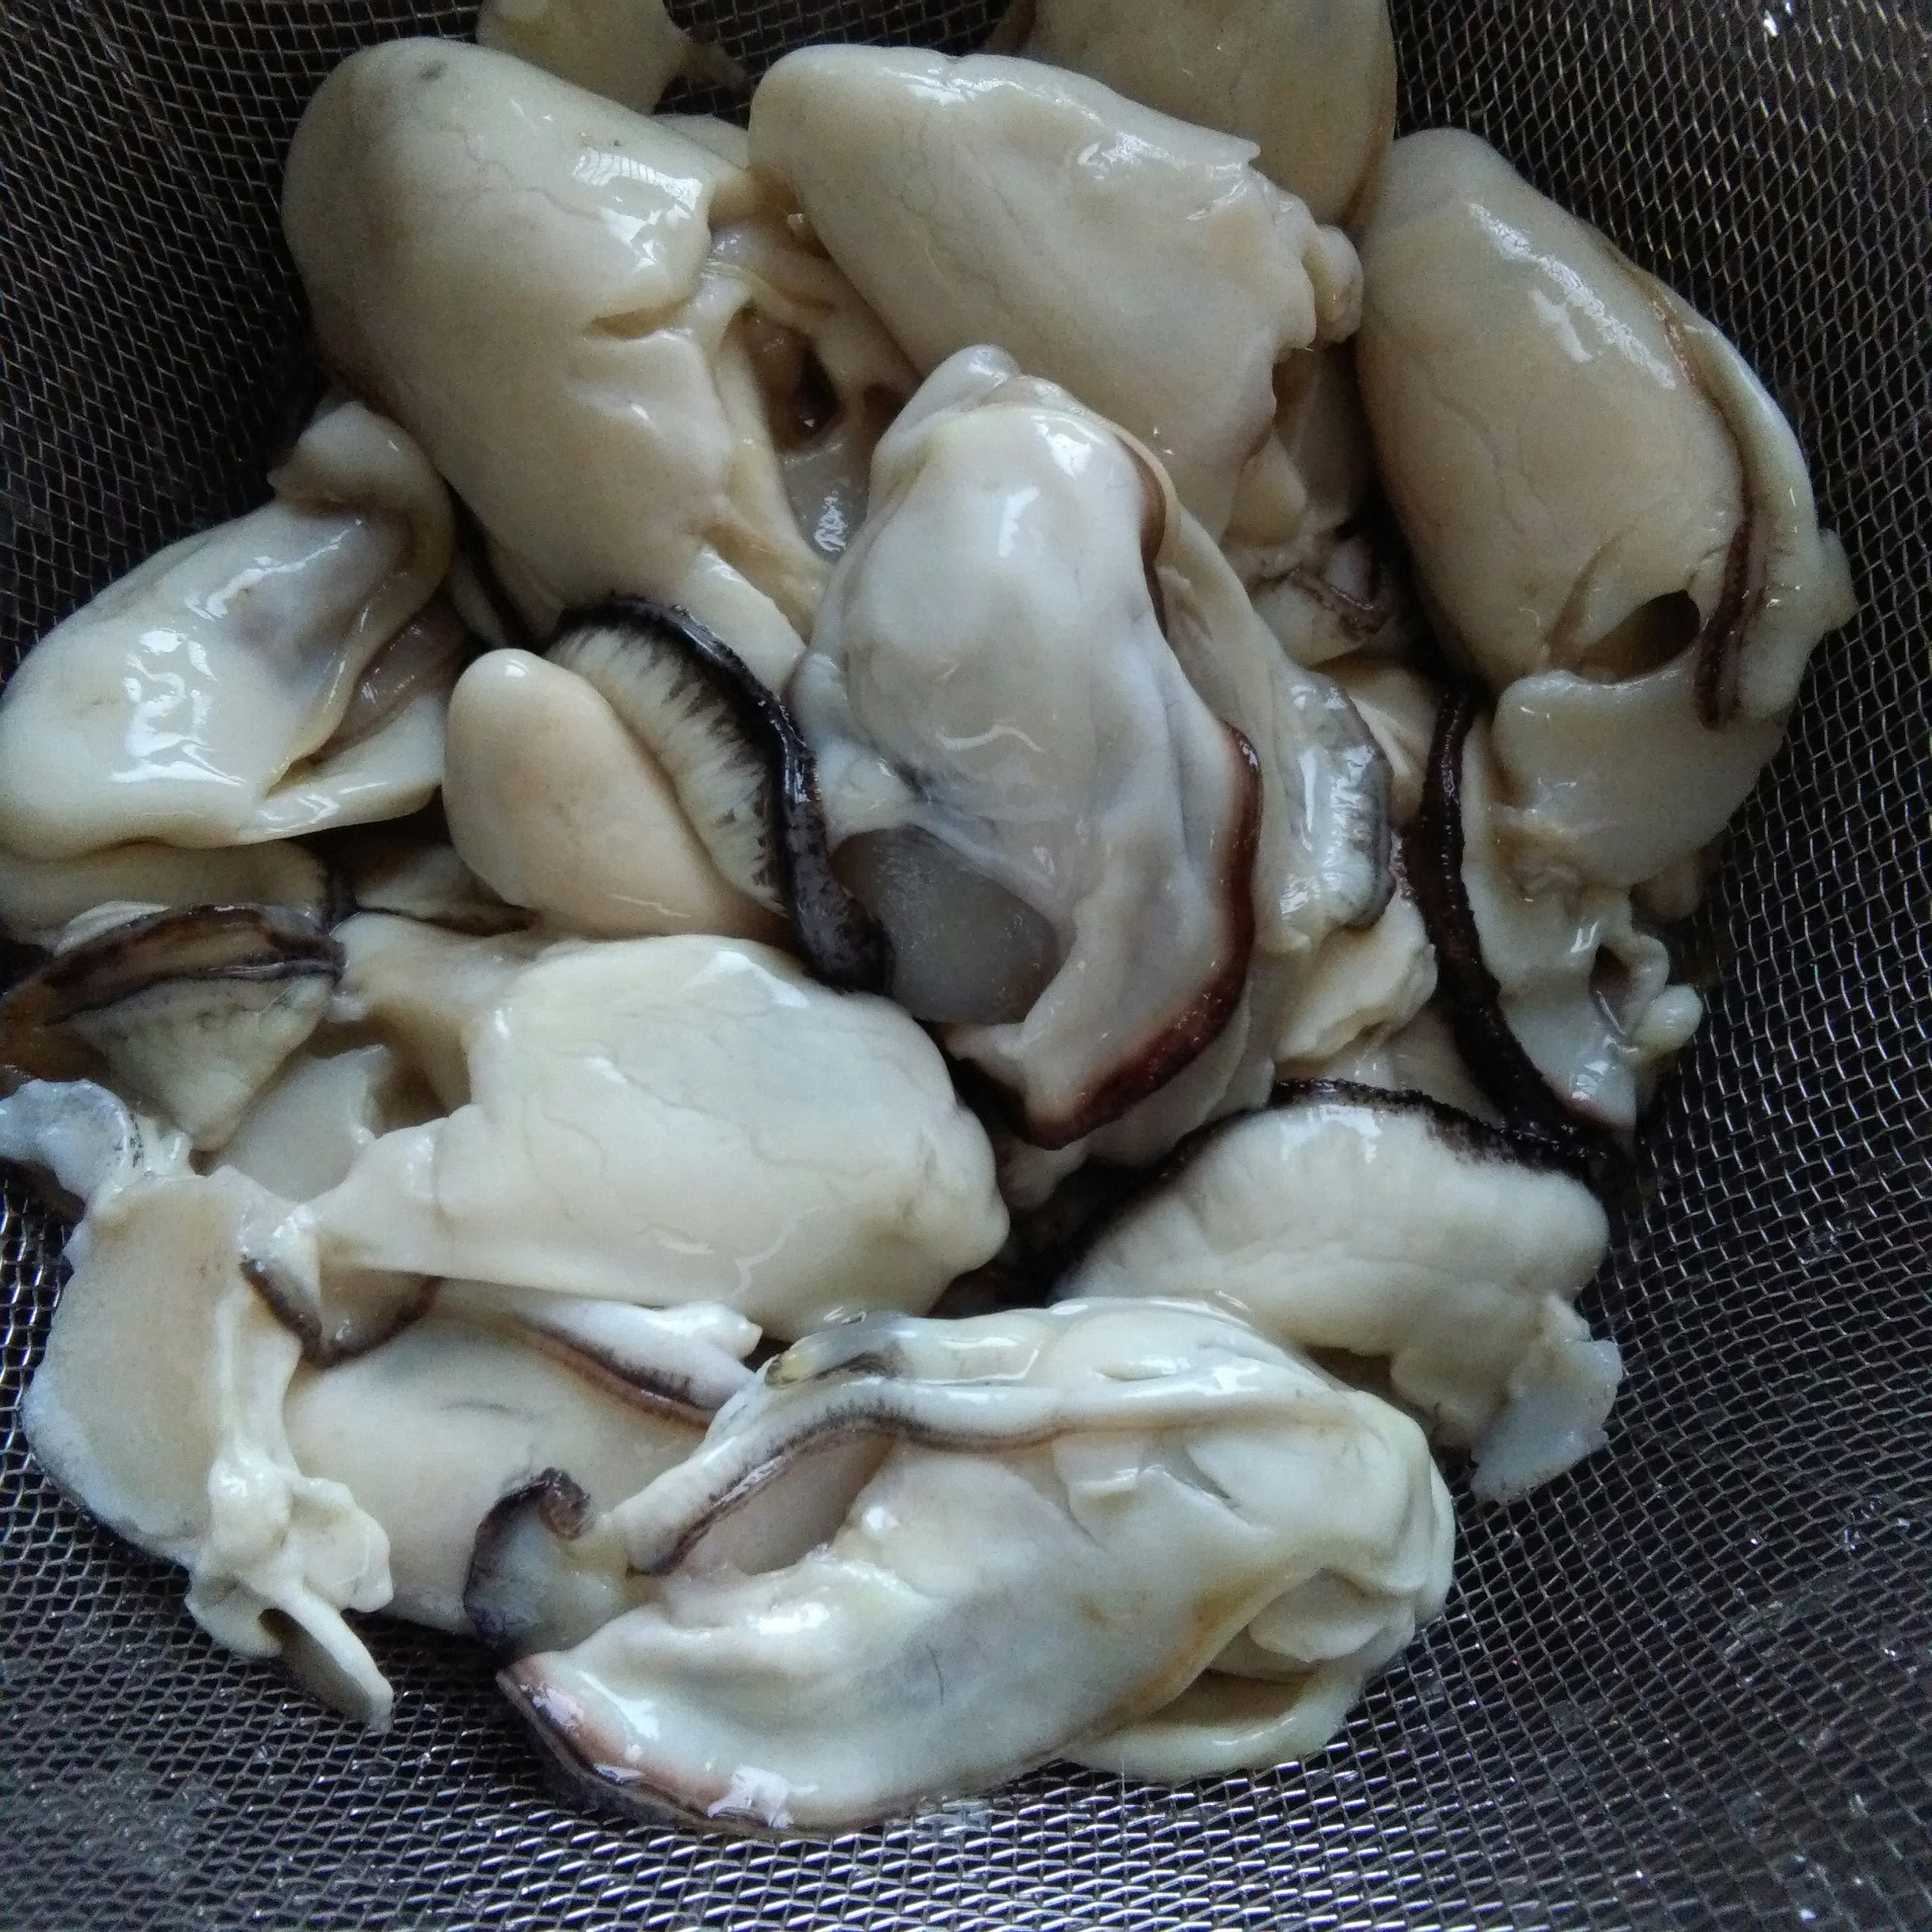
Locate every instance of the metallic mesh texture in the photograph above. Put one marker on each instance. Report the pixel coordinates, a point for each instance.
(1690, 1685)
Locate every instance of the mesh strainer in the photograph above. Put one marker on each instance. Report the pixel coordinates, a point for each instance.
(1691, 1684)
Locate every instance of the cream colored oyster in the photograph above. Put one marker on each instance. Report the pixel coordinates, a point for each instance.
(480, 1397)
(237, 686)
(158, 1403)
(1311, 82)
(1078, 1509)
(1611, 517)
(662, 1121)
(605, 334)
(1386, 1229)
(556, 806)
(1140, 262)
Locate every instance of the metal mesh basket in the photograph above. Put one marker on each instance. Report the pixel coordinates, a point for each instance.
(1691, 1684)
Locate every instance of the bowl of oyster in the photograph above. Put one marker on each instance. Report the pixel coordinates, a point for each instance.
(873, 977)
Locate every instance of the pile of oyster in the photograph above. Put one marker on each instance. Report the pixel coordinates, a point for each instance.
(898, 913)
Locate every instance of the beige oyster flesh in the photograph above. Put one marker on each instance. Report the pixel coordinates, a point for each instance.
(1079, 1509)
(1311, 82)
(604, 334)
(1611, 519)
(1139, 262)
(662, 1121)
(234, 688)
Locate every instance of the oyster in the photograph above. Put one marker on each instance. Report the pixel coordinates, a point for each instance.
(1611, 520)
(1055, 832)
(1385, 1226)
(201, 700)
(1079, 1508)
(663, 1121)
(560, 808)
(87, 1143)
(742, 775)
(1563, 1005)
(663, 352)
(431, 1431)
(423, 990)
(1356, 988)
(1138, 261)
(628, 50)
(1311, 82)
(39, 899)
(158, 1406)
(191, 1009)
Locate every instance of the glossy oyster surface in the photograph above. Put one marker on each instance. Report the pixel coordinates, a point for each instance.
(1311, 82)
(200, 701)
(158, 1406)
(1079, 1507)
(1140, 262)
(656, 332)
(1018, 776)
(1342, 1219)
(560, 808)
(668, 1121)
(1582, 983)
(1588, 476)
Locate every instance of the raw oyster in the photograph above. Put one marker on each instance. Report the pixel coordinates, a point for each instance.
(1080, 1508)
(661, 346)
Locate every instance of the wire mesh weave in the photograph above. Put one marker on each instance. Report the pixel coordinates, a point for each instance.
(1690, 1685)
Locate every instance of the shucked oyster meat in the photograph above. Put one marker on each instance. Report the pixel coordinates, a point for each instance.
(1138, 261)
(1079, 1508)
(473, 1401)
(659, 342)
(202, 699)
(1018, 778)
(446, 1164)
(1389, 1228)
(629, 50)
(669, 1120)
(191, 1009)
(158, 1404)
(1611, 518)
